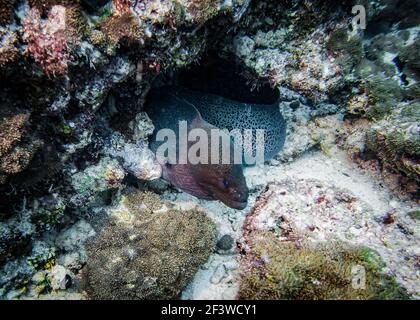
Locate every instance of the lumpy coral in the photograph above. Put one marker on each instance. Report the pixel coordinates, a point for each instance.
(150, 251)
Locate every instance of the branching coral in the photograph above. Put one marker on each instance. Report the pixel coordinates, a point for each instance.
(76, 24)
(11, 132)
(8, 50)
(14, 156)
(125, 26)
(47, 42)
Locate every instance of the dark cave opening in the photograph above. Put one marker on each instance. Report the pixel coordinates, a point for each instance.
(226, 78)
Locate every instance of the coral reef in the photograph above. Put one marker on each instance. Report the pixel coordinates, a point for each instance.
(363, 75)
(383, 96)
(151, 251)
(347, 47)
(289, 56)
(396, 140)
(124, 26)
(15, 154)
(46, 40)
(73, 138)
(107, 174)
(136, 158)
(284, 271)
(409, 57)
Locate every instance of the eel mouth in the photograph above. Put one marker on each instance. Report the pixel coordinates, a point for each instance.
(236, 201)
(239, 205)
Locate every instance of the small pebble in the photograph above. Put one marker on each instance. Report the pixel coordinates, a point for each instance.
(225, 242)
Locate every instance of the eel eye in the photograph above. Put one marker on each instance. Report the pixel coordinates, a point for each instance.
(225, 183)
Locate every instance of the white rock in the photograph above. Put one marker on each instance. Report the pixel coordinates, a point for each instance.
(219, 274)
(59, 277)
(74, 260)
(73, 238)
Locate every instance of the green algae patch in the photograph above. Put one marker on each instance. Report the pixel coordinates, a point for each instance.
(279, 270)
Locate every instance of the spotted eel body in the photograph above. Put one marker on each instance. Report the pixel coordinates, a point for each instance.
(170, 103)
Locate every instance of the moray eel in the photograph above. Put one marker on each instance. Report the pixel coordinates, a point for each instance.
(168, 105)
(229, 114)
